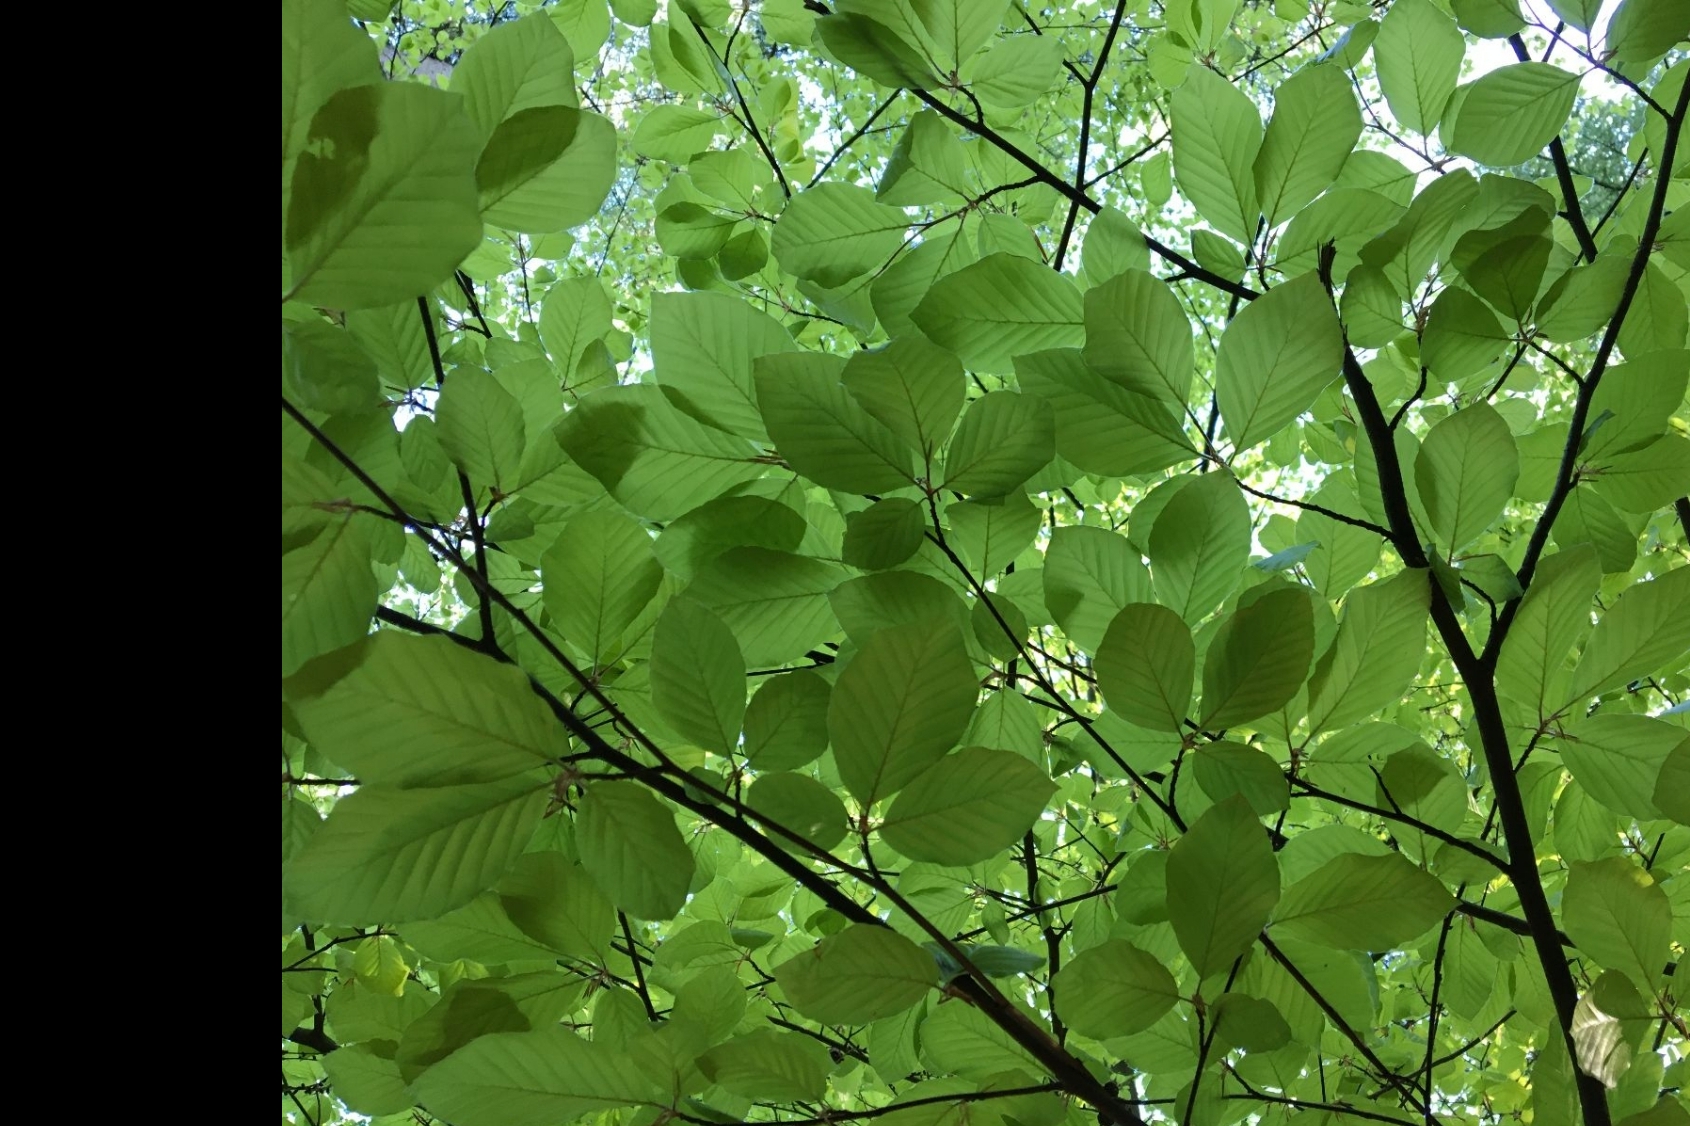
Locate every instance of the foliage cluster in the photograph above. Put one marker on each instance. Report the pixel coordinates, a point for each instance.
(953, 561)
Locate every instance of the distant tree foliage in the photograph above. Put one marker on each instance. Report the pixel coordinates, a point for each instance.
(968, 563)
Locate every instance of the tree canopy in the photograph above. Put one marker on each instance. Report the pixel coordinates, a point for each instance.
(945, 562)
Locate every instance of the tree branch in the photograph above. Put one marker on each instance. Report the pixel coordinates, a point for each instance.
(1053, 942)
(744, 108)
(725, 810)
(1308, 789)
(639, 972)
(1310, 506)
(1088, 87)
(1402, 1086)
(1581, 405)
(1477, 675)
(853, 138)
(1077, 196)
(1563, 174)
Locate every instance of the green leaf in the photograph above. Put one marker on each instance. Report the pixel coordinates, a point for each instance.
(1425, 786)
(628, 842)
(1646, 629)
(575, 313)
(1090, 575)
(483, 931)
(1222, 885)
(1418, 53)
(927, 166)
(1647, 478)
(1217, 133)
(1003, 439)
(1016, 70)
(884, 534)
(325, 370)
(1580, 13)
(1315, 124)
(1114, 989)
(1407, 251)
(480, 428)
(871, 48)
(834, 232)
(1225, 769)
(1258, 660)
(1370, 309)
(366, 1082)
(1489, 19)
(653, 458)
(1658, 318)
(1345, 553)
(1137, 336)
(387, 856)
(600, 573)
(769, 1065)
(552, 900)
(704, 347)
(823, 432)
(786, 722)
(867, 605)
(1580, 302)
(1377, 652)
(691, 231)
(674, 133)
(425, 711)
(1003, 961)
(902, 702)
(743, 254)
(328, 593)
(1512, 112)
(1505, 265)
(1466, 472)
(961, 1039)
(378, 964)
(517, 65)
(1356, 902)
(1113, 245)
(536, 1078)
(801, 804)
(967, 807)
(698, 676)
(775, 602)
(322, 52)
(914, 387)
(1249, 1023)
(546, 168)
(957, 29)
(1001, 307)
(1642, 30)
(1552, 618)
(1462, 336)
(466, 1011)
(1672, 785)
(1276, 356)
(689, 544)
(1100, 426)
(1620, 917)
(1145, 666)
(1199, 545)
(1587, 518)
(383, 203)
(1617, 759)
(861, 974)
(585, 23)
(1348, 217)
